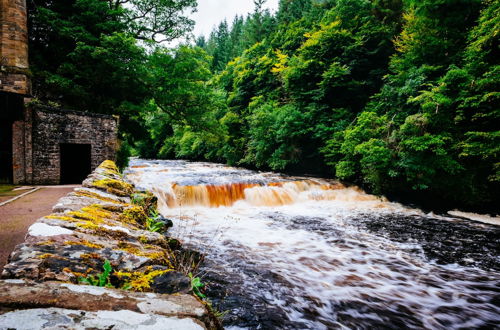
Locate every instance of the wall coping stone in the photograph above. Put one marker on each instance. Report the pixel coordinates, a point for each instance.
(91, 226)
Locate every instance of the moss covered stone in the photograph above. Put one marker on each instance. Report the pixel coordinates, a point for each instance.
(85, 243)
(116, 187)
(110, 165)
(90, 194)
(134, 215)
(140, 281)
(94, 213)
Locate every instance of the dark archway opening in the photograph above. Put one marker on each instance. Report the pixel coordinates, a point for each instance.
(11, 109)
(5, 151)
(75, 162)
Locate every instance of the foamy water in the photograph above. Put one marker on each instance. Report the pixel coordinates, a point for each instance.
(302, 253)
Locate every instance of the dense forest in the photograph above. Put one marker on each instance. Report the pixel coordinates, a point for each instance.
(399, 96)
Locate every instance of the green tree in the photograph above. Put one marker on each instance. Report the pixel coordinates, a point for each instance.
(182, 113)
(222, 51)
(156, 20)
(84, 53)
(422, 126)
(290, 11)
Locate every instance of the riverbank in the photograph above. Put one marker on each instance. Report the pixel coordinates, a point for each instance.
(484, 218)
(104, 234)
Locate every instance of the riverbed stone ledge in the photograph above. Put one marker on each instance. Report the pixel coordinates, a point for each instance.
(41, 286)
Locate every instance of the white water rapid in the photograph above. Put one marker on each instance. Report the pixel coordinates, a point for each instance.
(305, 253)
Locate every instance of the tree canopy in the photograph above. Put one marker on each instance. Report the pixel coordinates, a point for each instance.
(399, 96)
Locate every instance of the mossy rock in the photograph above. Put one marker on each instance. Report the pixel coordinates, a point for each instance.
(116, 187)
(134, 215)
(110, 166)
(140, 280)
(146, 200)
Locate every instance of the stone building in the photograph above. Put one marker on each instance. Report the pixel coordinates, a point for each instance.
(41, 145)
(54, 146)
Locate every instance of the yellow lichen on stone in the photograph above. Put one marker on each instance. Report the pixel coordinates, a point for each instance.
(91, 194)
(60, 217)
(109, 173)
(50, 255)
(49, 242)
(77, 274)
(110, 165)
(94, 213)
(101, 231)
(84, 243)
(115, 208)
(87, 225)
(158, 256)
(138, 281)
(150, 247)
(116, 187)
(134, 215)
(45, 256)
(87, 256)
(154, 253)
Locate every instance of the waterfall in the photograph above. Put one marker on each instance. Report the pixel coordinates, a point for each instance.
(269, 194)
(308, 253)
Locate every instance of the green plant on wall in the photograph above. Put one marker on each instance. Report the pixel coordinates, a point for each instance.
(147, 202)
(102, 279)
(197, 285)
(153, 223)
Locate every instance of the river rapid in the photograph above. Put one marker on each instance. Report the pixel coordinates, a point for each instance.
(306, 253)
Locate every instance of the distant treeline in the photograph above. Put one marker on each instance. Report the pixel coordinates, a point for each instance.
(400, 96)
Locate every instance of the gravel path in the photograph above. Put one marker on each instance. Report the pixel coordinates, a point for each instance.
(16, 217)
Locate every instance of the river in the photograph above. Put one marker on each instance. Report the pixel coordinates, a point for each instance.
(306, 253)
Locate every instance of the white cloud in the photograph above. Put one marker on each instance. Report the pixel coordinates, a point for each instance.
(211, 12)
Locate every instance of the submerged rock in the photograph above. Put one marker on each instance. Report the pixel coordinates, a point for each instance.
(450, 241)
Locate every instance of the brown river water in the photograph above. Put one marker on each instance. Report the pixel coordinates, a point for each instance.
(306, 253)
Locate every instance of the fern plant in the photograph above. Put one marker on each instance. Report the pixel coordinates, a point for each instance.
(196, 286)
(102, 279)
(153, 223)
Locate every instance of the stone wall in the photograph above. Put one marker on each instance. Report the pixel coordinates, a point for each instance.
(14, 68)
(95, 225)
(37, 140)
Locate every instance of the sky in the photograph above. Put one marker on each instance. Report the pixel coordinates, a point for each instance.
(211, 12)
